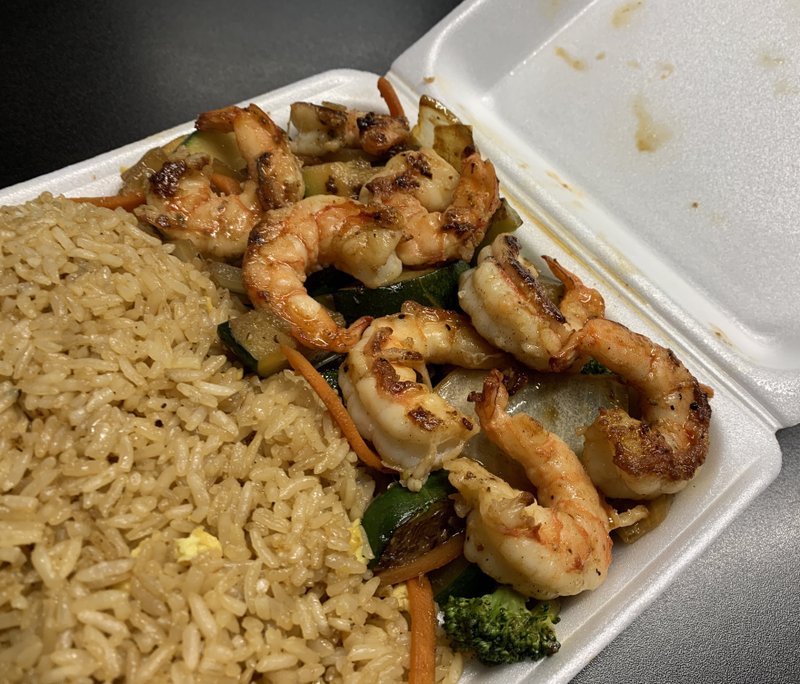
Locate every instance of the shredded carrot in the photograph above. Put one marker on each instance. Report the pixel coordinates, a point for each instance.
(436, 558)
(422, 665)
(128, 201)
(389, 95)
(225, 184)
(338, 412)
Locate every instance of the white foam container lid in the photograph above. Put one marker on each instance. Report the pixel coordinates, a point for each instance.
(651, 147)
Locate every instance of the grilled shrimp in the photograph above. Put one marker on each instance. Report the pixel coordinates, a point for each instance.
(183, 205)
(553, 544)
(510, 308)
(183, 202)
(388, 394)
(660, 452)
(315, 232)
(265, 148)
(445, 213)
(322, 130)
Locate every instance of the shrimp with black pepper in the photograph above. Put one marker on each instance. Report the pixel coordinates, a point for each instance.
(318, 231)
(183, 204)
(555, 543)
(321, 130)
(387, 391)
(265, 147)
(660, 451)
(187, 200)
(509, 306)
(445, 211)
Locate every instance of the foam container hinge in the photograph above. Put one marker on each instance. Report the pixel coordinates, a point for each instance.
(608, 122)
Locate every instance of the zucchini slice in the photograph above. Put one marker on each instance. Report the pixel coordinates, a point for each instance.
(432, 114)
(343, 178)
(218, 145)
(438, 128)
(255, 338)
(437, 287)
(405, 523)
(327, 281)
(504, 220)
(563, 404)
(453, 143)
(460, 578)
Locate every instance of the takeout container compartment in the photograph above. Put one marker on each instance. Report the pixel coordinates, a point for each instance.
(649, 151)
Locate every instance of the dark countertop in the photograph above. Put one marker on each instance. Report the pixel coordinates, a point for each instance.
(86, 77)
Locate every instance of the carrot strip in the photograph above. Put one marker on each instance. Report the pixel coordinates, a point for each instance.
(225, 184)
(389, 95)
(436, 558)
(422, 665)
(128, 201)
(338, 412)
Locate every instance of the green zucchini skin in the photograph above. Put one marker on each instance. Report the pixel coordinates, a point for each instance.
(328, 368)
(437, 288)
(397, 506)
(327, 281)
(218, 145)
(248, 361)
(255, 339)
(460, 578)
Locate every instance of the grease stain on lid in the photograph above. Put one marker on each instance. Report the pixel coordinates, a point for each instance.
(624, 13)
(650, 134)
(574, 62)
(558, 179)
(665, 70)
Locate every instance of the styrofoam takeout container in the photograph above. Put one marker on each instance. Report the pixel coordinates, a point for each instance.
(651, 147)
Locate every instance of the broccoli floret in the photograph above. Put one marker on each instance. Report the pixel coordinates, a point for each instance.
(500, 628)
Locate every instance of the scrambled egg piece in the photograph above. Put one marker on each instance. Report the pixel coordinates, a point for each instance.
(199, 541)
(357, 542)
(400, 592)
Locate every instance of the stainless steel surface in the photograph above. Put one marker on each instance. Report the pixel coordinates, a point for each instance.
(82, 78)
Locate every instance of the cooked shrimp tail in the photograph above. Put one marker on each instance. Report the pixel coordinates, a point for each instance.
(662, 450)
(265, 148)
(553, 544)
(579, 303)
(509, 306)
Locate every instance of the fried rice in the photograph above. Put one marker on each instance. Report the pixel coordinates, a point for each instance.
(162, 516)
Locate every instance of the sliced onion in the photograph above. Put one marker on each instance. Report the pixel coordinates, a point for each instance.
(227, 276)
(185, 250)
(564, 404)
(657, 510)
